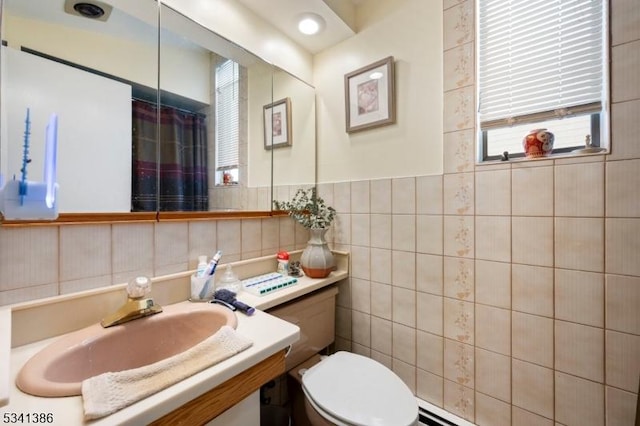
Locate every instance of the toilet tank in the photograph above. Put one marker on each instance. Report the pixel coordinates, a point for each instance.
(315, 314)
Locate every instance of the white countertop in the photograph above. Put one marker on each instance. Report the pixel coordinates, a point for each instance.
(268, 333)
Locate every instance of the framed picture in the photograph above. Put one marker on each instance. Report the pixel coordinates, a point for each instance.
(277, 124)
(370, 96)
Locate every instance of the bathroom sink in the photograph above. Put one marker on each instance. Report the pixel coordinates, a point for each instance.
(59, 368)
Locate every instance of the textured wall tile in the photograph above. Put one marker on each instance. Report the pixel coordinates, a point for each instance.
(493, 192)
(404, 343)
(459, 278)
(459, 193)
(458, 25)
(532, 338)
(429, 234)
(622, 175)
(360, 229)
(622, 246)
(579, 296)
(459, 110)
(493, 238)
(578, 401)
(459, 236)
(403, 232)
(493, 283)
(532, 388)
(620, 406)
(579, 244)
(403, 195)
(624, 130)
(361, 295)
(459, 320)
(430, 387)
(533, 289)
(403, 265)
(625, 80)
(532, 191)
(623, 360)
(360, 197)
(429, 195)
(459, 400)
(493, 374)
(381, 265)
(381, 335)
(430, 352)
(381, 196)
(381, 300)
(459, 67)
(20, 249)
(579, 190)
(429, 313)
(532, 241)
(491, 411)
(361, 328)
(85, 251)
(622, 301)
(404, 306)
(579, 350)
(429, 273)
(459, 364)
(381, 230)
(459, 151)
(493, 329)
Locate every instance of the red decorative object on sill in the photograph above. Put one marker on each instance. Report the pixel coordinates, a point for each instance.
(538, 143)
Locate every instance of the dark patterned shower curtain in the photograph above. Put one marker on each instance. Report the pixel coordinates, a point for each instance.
(183, 159)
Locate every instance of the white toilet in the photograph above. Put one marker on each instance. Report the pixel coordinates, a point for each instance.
(347, 389)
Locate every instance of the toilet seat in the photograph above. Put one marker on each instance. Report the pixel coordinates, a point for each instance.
(352, 389)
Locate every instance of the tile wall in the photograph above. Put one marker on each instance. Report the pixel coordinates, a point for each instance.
(509, 293)
(506, 294)
(44, 261)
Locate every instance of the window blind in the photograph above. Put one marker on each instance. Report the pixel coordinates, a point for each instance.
(227, 115)
(539, 59)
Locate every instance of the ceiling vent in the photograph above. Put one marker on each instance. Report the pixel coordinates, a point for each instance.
(94, 10)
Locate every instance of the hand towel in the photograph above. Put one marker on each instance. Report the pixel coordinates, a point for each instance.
(109, 392)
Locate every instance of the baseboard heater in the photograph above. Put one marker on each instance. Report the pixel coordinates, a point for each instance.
(429, 414)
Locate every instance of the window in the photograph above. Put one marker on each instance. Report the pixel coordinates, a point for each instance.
(541, 64)
(227, 129)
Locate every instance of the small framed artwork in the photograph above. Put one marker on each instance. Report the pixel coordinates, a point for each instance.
(277, 124)
(370, 96)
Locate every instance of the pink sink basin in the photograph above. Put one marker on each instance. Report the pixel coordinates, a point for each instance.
(59, 369)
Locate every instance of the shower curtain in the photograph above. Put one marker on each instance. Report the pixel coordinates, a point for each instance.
(183, 159)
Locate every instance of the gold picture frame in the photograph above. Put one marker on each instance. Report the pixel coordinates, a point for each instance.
(277, 124)
(370, 96)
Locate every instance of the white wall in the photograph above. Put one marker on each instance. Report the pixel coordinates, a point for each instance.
(94, 157)
(233, 21)
(411, 31)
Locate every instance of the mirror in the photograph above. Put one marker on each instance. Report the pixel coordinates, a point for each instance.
(119, 60)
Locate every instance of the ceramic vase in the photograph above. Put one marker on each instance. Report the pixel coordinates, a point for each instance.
(538, 143)
(317, 261)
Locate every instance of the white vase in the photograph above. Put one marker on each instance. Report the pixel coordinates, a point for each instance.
(317, 261)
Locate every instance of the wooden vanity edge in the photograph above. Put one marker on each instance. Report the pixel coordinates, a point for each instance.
(211, 404)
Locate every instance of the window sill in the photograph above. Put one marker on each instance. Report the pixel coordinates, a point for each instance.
(558, 156)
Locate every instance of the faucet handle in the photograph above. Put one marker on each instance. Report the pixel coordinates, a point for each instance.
(139, 287)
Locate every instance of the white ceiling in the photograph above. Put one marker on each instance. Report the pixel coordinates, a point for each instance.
(283, 14)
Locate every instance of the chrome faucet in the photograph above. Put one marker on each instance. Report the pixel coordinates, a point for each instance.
(138, 305)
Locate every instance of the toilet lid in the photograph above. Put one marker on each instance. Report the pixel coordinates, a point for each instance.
(360, 391)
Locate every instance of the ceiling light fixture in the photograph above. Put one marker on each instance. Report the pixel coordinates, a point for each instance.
(310, 23)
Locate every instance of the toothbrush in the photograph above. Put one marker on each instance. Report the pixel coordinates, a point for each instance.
(211, 269)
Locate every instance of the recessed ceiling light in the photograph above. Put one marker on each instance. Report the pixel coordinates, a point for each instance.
(310, 23)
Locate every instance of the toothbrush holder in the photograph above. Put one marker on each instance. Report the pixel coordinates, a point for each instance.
(202, 288)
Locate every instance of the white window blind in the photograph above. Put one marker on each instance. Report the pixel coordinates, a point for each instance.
(539, 59)
(227, 115)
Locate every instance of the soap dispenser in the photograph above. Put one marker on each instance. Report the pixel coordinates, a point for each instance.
(229, 280)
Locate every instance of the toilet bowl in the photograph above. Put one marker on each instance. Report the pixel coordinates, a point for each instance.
(347, 389)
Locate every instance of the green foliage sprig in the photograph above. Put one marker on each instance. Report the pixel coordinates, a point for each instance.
(308, 209)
